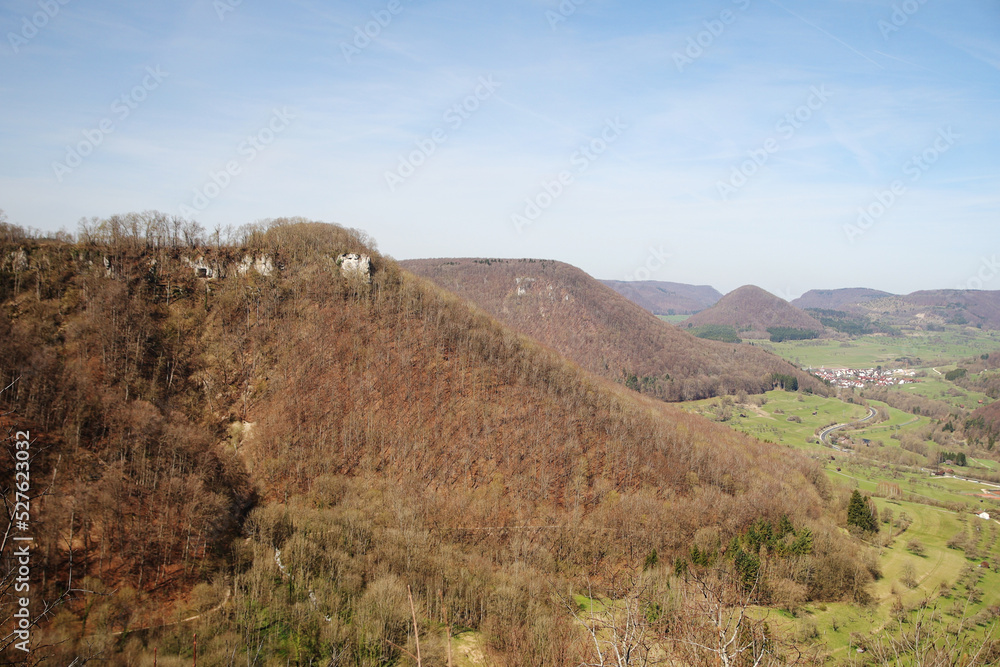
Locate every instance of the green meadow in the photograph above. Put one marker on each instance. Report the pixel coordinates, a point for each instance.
(949, 346)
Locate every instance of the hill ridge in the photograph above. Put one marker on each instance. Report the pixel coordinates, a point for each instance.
(666, 298)
(566, 309)
(754, 310)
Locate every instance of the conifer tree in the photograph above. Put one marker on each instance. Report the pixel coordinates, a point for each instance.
(859, 514)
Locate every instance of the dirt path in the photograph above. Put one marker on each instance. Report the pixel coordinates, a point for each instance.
(183, 620)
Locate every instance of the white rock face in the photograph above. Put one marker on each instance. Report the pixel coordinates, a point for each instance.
(18, 260)
(523, 285)
(262, 265)
(353, 265)
(202, 269)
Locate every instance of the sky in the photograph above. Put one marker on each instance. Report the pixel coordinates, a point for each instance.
(789, 144)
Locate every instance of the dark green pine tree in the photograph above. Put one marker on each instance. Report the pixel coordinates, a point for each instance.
(858, 513)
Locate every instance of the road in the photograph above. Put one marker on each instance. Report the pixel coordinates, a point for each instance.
(825, 433)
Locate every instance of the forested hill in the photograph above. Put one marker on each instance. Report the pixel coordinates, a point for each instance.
(971, 307)
(605, 333)
(837, 299)
(664, 298)
(966, 307)
(754, 310)
(287, 432)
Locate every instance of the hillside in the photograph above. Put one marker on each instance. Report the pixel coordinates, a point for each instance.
(919, 309)
(752, 311)
(983, 425)
(663, 298)
(605, 333)
(971, 307)
(837, 299)
(280, 438)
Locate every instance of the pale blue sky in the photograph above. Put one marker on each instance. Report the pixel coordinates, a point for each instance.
(182, 85)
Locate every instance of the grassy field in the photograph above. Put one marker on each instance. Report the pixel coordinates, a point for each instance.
(673, 319)
(949, 346)
(770, 421)
(936, 387)
(898, 420)
(921, 577)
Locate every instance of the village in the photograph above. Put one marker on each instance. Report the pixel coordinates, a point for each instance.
(864, 377)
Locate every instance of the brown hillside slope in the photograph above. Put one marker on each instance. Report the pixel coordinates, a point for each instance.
(564, 308)
(753, 310)
(396, 437)
(663, 298)
(984, 423)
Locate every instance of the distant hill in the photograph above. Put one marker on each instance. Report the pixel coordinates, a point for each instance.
(836, 299)
(663, 298)
(753, 310)
(602, 331)
(921, 309)
(972, 307)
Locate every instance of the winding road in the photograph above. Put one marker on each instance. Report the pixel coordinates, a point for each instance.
(824, 435)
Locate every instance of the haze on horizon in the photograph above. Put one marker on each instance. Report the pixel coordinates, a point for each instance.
(784, 144)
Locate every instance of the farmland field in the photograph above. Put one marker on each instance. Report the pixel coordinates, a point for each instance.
(930, 553)
(930, 348)
(673, 319)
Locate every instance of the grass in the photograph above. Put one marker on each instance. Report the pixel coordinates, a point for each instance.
(936, 387)
(591, 605)
(952, 345)
(933, 586)
(468, 649)
(770, 421)
(867, 476)
(673, 319)
(935, 576)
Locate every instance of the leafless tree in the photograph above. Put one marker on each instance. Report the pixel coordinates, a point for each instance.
(715, 620)
(625, 630)
(14, 585)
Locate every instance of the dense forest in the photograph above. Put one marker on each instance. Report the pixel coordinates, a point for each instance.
(242, 437)
(575, 314)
